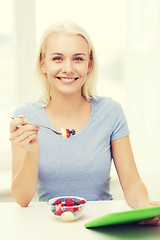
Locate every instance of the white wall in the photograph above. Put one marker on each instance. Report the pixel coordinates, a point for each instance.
(25, 48)
(142, 77)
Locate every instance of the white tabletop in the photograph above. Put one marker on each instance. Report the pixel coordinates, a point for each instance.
(37, 222)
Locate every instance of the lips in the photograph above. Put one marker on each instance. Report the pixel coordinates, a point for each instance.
(67, 80)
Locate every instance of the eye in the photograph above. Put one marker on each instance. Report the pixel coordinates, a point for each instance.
(78, 59)
(58, 59)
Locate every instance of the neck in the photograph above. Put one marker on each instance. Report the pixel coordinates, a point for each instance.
(66, 106)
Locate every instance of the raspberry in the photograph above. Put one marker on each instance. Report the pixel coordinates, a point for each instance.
(69, 202)
(68, 133)
(76, 209)
(57, 202)
(59, 212)
(81, 202)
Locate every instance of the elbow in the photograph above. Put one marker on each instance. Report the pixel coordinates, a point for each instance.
(20, 200)
(22, 203)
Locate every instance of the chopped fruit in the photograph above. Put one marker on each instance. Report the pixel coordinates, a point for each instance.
(57, 207)
(69, 202)
(63, 131)
(81, 202)
(68, 209)
(72, 132)
(76, 208)
(66, 133)
(67, 216)
(59, 212)
(75, 203)
(57, 202)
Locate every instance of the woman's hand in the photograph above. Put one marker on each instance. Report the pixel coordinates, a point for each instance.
(24, 136)
(151, 221)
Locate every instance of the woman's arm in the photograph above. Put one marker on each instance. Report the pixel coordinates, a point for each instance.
(25, 158)
(135, 191)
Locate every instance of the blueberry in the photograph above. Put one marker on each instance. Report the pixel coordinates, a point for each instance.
(72, 132)
(54, 211)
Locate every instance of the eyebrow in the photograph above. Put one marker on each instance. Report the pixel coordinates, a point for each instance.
(61, 54)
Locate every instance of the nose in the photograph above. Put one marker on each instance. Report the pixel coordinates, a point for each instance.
(67, 67)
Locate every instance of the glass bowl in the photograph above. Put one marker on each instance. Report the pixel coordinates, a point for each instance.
(67, 208)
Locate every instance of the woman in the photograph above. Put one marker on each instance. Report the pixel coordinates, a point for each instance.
(80, 165)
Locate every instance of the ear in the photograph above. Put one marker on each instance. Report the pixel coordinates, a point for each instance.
(42, 64)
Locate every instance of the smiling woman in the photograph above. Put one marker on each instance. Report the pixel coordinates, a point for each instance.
(61, 57)
(115, 26)
(79, 165)
(61, 61)
(66, 61)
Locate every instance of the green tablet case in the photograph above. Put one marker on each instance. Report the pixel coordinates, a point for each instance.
(124, 217)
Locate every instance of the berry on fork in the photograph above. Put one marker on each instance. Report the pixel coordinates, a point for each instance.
(66, 133)
(72, 132)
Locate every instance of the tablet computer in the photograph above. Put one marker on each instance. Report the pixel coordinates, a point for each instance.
(125, 217)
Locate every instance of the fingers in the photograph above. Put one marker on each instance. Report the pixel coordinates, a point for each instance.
(28, 142)
(155, 203)
(151, 221)
(24, 133)
(17, 121)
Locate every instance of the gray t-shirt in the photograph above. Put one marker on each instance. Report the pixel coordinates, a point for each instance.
(79, 165)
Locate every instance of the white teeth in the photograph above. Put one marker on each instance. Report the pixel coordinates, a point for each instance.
(67, 79)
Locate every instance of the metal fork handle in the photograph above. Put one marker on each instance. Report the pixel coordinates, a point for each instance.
(58, 133)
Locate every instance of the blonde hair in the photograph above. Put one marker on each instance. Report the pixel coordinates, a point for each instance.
(89, 88)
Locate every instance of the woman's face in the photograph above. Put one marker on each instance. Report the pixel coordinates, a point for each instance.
(66, 62)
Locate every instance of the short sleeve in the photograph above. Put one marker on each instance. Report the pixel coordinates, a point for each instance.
(18, 112)
(118, 121)
(32, 111)
(29, 110)
(22, 110)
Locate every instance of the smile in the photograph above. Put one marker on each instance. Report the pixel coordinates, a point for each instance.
(67, 80)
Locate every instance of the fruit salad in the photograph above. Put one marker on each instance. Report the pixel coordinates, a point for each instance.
(69, 209)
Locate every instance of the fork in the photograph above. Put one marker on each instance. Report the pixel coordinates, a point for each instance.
(72, 132)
